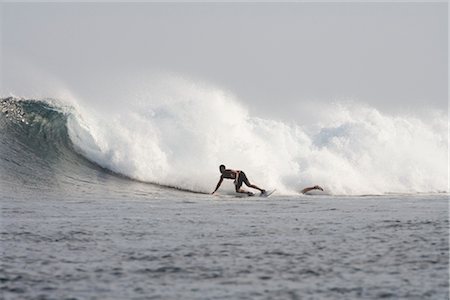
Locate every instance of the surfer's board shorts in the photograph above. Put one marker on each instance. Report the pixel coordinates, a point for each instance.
(242, 178)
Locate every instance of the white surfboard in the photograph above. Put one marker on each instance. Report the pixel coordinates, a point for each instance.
(267, 193)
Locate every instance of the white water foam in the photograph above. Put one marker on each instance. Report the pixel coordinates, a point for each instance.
(176, 132)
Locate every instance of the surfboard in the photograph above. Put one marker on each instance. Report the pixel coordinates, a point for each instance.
(265, 195)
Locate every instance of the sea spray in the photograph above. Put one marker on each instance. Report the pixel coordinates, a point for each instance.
(176, 132)
(369, 152)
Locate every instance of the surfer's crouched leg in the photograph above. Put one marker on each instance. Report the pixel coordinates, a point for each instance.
(243, 179)
(239, 181)
(238, 188)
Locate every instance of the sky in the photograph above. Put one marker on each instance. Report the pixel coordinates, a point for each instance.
(277, 58)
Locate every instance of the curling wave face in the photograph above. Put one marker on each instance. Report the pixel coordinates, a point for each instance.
(177, 133)
(36, 151)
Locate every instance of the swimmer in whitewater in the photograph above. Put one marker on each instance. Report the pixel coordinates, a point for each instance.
(316, 187)
(239, 178)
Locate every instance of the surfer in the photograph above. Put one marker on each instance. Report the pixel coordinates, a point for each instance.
(316, 187)
(239, 178)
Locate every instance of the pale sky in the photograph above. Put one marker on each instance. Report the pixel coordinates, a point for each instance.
(272, 56)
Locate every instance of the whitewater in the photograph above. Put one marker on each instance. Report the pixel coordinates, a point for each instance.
(107, 196)
(175, 132)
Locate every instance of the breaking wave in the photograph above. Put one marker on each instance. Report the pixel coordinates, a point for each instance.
(176, 133)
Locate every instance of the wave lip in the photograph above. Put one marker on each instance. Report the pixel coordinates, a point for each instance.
(36, 151)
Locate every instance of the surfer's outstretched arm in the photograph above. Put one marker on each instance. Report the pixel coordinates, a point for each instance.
(218, 184)
(316, 187)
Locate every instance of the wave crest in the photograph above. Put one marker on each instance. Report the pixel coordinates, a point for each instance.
(176, 133)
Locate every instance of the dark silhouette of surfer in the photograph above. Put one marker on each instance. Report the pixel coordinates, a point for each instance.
(316, 187)
(239, 178)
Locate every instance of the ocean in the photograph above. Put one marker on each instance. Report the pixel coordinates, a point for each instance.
(113, 202)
